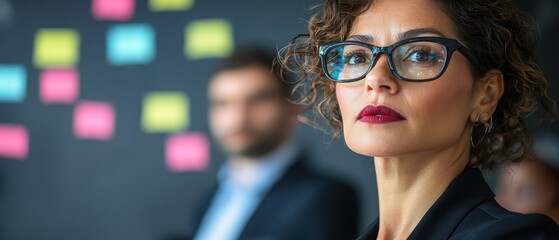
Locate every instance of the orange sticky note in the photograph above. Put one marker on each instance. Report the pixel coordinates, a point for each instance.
(94, 120)
(119, 10)
(14, 141)
(59, 86)
(187, 152)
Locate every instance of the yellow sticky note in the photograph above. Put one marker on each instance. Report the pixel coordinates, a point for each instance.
(165, 112)
(208, 38)
(56, 48)
(170, 5)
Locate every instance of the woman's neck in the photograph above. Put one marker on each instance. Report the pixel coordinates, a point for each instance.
(408, 186)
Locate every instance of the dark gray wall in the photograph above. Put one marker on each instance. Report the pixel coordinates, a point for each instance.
(85, 189)
(81, 189)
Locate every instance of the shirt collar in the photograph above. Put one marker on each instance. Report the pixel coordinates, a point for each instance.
(265, 173)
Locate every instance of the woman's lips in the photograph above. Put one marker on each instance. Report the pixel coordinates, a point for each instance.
(379, 114)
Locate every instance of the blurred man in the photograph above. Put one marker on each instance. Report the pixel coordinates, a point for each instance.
(532, 186)
(264, 190)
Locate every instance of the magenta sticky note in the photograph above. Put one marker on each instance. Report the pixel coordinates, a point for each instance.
(94, 120)
(14, 141)
(187, 152)
(59, 86)
(119, 10)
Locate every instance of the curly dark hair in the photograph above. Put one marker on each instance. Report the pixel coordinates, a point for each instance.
(496, 31)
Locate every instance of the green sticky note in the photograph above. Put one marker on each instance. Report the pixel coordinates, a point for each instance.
(170, 5)
(56, 48)
(165, 112)
(208, 38)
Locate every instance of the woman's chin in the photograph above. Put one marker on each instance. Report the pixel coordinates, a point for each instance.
(374, 151)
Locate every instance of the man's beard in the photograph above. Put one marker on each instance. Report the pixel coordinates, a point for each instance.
(262, 142)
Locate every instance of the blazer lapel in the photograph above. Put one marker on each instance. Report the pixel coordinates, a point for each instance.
(463, 194)
(274, 198)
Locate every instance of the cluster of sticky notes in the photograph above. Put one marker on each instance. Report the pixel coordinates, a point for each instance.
(14, 141)
(187, 152)
(170, 5)
(13, 83)
(59, 86)
(130, 44)
(119, 10)
(56, 48)
(165, 112)
(94, 120)
(208, 38)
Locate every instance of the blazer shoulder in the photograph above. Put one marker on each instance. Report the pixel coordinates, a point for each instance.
(521, 226)
(301, 176)
(499, 223)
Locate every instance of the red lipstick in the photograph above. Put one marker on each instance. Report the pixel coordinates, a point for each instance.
(379, 114)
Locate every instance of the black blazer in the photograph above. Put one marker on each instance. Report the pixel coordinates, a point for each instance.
(467, 210)
(302, 205)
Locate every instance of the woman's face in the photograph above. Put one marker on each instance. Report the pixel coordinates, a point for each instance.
(433, 115)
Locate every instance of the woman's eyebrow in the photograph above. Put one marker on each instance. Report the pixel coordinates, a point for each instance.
(418, 31)
(361, 38)
(401, 36)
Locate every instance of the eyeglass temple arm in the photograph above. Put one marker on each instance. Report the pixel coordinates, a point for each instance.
(468, 54)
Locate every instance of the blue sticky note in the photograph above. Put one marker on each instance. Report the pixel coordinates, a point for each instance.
(13, 83)
(130, 44)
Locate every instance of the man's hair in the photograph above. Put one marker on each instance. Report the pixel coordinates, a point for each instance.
(255, 56)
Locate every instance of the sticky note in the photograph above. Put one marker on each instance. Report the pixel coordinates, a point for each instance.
(130, 44)
(94, 120)
(14, 141)
(56, 48)
(208, 38)
(165, 112)
(59, 86)
(187, 152)
(13, 83)
(119, 10)
(170, 5)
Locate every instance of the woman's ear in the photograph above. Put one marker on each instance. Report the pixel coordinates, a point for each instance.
(487, 93)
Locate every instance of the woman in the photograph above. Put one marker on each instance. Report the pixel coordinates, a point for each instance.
(434, 90)
(532, 186)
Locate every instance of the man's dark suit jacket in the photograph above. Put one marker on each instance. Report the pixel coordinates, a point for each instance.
(467, 210)
(302, 205)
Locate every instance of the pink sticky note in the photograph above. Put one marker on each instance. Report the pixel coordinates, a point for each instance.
(120, 10)
(14, 141)
(187, 152)
(59, 86)
(94, 120)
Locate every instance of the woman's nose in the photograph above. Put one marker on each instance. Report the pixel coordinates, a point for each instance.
(380, 78)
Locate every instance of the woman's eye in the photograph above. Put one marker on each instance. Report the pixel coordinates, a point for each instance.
(422, 56)
(419, 56)
(356, 59)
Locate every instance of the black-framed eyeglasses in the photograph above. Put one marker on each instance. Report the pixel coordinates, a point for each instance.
(417, 59)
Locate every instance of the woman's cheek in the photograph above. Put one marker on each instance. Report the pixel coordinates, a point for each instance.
(346, 98)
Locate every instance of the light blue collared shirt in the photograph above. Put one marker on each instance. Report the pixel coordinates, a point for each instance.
(235, 201)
